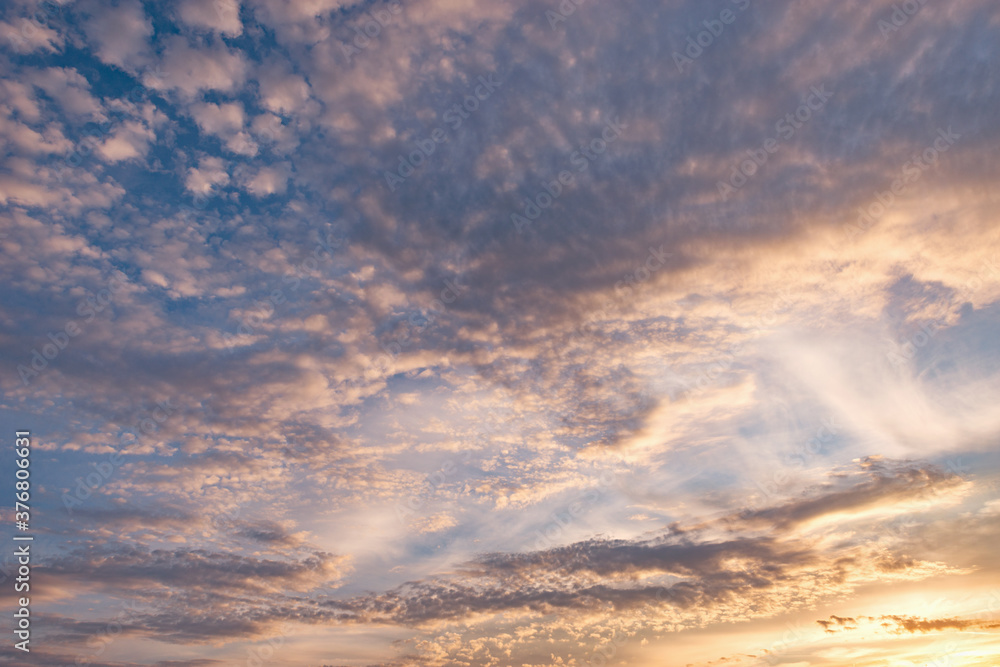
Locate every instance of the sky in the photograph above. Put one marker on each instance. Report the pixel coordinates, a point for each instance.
(503, 333)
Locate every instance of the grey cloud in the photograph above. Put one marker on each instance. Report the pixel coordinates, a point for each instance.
(699, 571)
(128, 567)
(883, 481)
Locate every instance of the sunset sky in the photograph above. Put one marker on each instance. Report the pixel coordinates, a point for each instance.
(503, 333)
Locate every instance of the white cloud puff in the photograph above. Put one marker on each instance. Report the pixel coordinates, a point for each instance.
(223, 16)
(191, 70)
(130, 140)
(210, 172)
(267, 181)
(121, 35)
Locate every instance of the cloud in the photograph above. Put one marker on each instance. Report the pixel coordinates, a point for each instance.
(191, 70)
(129, 140)
(224, 588)
(283, 92)
(267, 181)
(889, 484)
(120, 34)
(906, 624)
(193, 568)
(435, 524)
(687, 577)
(222, 16)
(837, 622)
(269, 533)
(913, 624)
(26, 35)
(210, 172)
(784, 396)
(298, 22)
(71, 91)
(221, 120)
